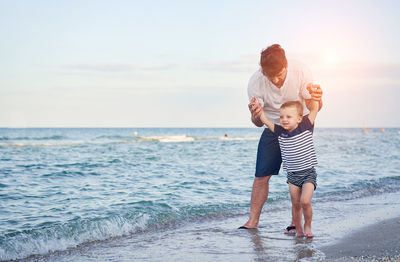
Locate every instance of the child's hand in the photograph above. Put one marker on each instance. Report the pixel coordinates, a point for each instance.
(315, 91)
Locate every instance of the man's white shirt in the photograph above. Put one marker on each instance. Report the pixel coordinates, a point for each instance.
(293, 89)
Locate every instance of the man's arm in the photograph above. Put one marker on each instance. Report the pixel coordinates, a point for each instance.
(257, 121)
(256, 110)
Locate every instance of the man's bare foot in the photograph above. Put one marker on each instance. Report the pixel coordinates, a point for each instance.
(249, 225)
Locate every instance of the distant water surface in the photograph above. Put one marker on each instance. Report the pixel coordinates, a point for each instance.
(66, 188)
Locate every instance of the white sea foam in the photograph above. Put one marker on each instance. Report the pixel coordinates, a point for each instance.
(168, 139)
(185, 138)
(69, 235)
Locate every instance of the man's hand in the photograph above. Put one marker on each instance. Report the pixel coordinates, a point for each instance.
(256, 110)
(315, 92)
(316, 95)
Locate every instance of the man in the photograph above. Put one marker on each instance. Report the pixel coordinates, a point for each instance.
(276, 82)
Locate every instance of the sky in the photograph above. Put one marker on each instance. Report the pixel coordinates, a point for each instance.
(187, 63)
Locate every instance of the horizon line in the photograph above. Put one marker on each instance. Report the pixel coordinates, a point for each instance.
(143, 127)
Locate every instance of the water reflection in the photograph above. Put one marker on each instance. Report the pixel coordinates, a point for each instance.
(269, 246)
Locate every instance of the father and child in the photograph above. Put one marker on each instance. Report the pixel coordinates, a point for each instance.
(298, 157)
(279, 89)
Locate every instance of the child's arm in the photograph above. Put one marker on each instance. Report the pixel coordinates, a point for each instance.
(313, 111)
(267, 122)
(313, 106)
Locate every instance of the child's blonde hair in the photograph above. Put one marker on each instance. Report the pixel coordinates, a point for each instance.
(296, 104)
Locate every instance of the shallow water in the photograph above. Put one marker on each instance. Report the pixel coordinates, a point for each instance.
(179, 194)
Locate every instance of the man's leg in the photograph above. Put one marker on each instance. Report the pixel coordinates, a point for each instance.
(295, 196)
(268, 163)
(305, 200)
(259, 195)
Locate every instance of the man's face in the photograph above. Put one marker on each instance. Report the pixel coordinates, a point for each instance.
(289, 118)
(279, 78)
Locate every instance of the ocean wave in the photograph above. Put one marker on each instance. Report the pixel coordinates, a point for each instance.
(185, 138)
(239, 138)
(113, 137)
(41, 144)
(362, 189)
(120, 140)
(55, 137)
(167, 139)
(67, 235)
(143, 216)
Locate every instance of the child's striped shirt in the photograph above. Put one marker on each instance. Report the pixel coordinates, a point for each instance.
(297, 147)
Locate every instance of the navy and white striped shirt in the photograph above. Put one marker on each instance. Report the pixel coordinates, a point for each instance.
(297, 147)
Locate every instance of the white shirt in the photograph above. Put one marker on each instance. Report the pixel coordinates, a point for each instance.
(271, 97)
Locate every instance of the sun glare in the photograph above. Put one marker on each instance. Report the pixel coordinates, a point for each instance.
(330, 58)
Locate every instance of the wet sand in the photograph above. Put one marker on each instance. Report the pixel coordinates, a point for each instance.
(377, 242)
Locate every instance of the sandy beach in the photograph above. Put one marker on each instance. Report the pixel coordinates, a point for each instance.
(378, 242)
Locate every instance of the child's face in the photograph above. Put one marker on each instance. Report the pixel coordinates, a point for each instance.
(289, 118)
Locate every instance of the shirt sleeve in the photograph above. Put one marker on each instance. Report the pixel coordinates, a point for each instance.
(278, 129)
(306, 124)
(306, 79)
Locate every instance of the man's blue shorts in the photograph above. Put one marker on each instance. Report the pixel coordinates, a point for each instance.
(268, 155)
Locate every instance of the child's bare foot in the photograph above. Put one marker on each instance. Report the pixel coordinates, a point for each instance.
(307, 232)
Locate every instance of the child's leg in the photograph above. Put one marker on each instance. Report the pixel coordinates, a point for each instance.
(295, 194)
(305, 200)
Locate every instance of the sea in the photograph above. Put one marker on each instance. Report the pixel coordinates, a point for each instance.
(180, 194)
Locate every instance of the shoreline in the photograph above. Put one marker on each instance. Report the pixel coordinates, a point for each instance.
(373, 242)
(379, 242)
(353, 227)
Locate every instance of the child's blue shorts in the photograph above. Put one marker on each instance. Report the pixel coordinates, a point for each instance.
(268, 155)
(299, 178)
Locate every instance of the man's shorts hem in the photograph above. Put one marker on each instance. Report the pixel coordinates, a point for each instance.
(268, 174)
